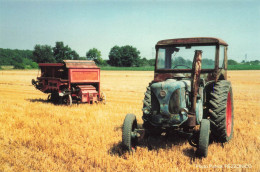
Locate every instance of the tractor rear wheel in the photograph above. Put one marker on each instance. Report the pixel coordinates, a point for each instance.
(203, 144)
(129, 139)
(221, 111)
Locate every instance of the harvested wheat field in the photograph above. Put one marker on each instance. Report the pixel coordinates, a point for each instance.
(36, 135)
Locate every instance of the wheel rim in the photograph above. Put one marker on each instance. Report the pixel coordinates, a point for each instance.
(102, 98)
(68, 100)
(49, 97)
(229, 115)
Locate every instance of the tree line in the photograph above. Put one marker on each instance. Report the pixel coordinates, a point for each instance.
(124, 56)
(19, 59)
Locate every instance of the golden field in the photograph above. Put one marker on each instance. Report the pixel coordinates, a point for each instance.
(36, 135)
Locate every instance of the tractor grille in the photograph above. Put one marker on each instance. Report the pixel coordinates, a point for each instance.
(175, 100)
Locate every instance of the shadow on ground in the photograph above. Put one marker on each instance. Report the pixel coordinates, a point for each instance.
(156, 143)
(38, 100)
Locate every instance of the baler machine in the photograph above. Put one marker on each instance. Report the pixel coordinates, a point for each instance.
(70, 81)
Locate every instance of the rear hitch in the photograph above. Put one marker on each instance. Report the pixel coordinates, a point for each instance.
(138, 133)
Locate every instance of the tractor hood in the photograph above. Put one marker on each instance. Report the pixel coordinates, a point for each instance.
(171, 96)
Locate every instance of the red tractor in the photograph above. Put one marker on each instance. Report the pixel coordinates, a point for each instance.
(70, 81)
(189, 89)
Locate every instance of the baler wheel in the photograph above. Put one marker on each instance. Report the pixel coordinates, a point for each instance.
(68, 100)
(221, 111)
(129, 138)
(202, 147)
(54, 98)
(49, 98)
(102, 98)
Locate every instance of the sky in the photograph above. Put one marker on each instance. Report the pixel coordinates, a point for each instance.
(83, 25)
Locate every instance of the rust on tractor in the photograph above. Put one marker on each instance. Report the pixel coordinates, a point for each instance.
(195, 78)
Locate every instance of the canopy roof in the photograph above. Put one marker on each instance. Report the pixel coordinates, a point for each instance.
(72, 64)
(80, 64)
(192, 41)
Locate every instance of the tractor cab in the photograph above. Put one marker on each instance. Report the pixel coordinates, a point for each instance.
(175, 56)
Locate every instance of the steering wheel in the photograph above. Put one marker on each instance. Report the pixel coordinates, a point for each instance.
(181, 65)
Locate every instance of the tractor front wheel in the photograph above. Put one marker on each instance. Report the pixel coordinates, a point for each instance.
(202, 147)
(129, 138)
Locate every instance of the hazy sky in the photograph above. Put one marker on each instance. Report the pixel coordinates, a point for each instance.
(103, 24)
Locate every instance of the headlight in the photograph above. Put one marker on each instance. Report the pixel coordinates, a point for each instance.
(162, 93)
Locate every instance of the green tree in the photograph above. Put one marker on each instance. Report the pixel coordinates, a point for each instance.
(43, 54)
(130, 56)
(93, 54)
(20, 59)
(232, 62)
(75, 55)
(82, 58)
(115, 56)
(151, 62)
(124, 56)
(143, 62)
(255, 62)
(62, 52)
(100, 61)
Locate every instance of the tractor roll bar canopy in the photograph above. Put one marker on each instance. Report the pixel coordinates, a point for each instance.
(192, 41)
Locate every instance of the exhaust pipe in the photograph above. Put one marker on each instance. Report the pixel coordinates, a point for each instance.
(195, 76)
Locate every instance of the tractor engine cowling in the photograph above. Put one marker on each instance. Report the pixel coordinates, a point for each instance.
(170, 102)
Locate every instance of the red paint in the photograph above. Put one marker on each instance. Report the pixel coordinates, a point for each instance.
(84, 75)
(229, 115)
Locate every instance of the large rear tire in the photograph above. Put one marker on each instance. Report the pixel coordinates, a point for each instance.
(221, 111)
(203, 144)
(128, 140)
(147, 102)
